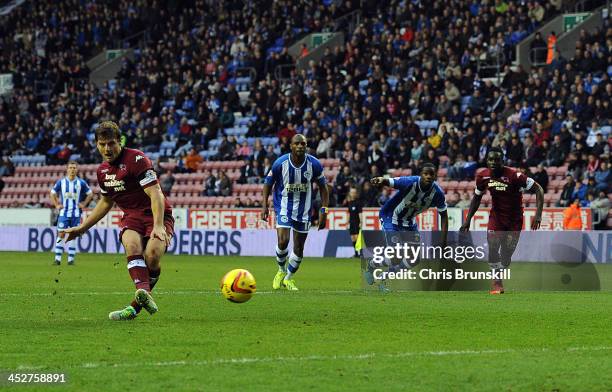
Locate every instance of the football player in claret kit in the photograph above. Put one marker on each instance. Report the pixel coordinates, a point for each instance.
(292, 176)
(414, 195)
(126, 178)
(506, 217)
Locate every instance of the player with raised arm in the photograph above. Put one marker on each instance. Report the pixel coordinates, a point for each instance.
(414, 195)
(292, 176)
(127, 178)
(69, 196)
(506, 217)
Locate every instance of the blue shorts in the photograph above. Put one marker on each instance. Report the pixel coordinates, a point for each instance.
(285, 221)
(395, 234)
(64, 222)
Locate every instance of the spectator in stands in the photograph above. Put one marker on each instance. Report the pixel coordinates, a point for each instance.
(227, 117)
(226, 149)
(266, 167)
(210, 184)
(465, 201)
(532, 152)
(323, 149)
(416, 152)
(456, 171)
(344, 181)
(515, 152)
(224, 184)
(580, 190)
(166, 181)
(603, 178)
(7, 169)
(601, 207)
(259, 153)
(555, 155)
(199, 140)
(2, 184)
(430, 158)
(572, 217)
(538, 50)
(255, 174)
(192, 161)
(368, 195)
(600, 147)
(576, 165)
(541, 177)
(593, 164)
(591, 186)
(567, 191)
(376, 156)
(244, 151)
(359, 167)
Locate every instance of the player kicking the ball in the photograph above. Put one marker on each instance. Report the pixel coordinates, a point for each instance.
(415, 194)
(292, 176)
(126, 177)
(506, 216)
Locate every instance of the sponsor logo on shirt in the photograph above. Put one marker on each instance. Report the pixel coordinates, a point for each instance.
(117, 185)
(296, 187)
(498, 185)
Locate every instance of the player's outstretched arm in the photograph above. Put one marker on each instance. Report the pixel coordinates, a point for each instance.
(537, 219)
(380, 181)
(157, 208)
(264, 202)
(474, 204)
(102, 208)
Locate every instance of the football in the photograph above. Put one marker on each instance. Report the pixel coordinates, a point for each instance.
(238, 285)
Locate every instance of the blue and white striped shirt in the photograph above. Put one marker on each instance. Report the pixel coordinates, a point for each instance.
(410, 200)
(293, 186)
(71, 193)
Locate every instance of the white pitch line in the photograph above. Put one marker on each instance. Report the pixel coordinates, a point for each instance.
(206, 292)
(349, 357)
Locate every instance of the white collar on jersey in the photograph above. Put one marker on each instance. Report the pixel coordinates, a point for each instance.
(303, 163)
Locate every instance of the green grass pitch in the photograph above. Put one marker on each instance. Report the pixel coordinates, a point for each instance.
(330, 336)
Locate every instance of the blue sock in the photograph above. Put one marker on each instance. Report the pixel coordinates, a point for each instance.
(294, 265)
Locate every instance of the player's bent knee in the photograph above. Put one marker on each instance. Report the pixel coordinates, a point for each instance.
(132, 249)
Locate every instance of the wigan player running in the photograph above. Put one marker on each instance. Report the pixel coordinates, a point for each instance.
(292, 176)
(126, 177)
(506, 216)
(415, 194)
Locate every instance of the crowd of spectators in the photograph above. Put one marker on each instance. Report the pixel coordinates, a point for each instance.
(405, 62)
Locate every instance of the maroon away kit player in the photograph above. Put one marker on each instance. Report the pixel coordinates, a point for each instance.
(506, 186)
(127, 179)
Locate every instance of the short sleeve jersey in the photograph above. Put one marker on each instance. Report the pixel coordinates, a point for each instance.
(125, 179)
(506, 191)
